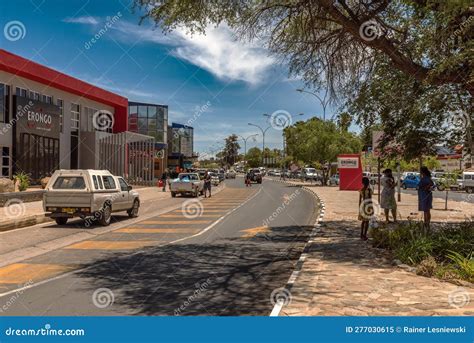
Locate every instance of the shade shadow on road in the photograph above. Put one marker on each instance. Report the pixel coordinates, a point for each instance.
(226, 277)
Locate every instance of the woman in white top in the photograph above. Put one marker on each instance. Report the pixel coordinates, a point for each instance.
(387, 198)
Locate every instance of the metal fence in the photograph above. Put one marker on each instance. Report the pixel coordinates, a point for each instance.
(130, 155)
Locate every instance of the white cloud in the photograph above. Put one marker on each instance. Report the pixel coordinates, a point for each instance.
(82, 20)
(220, 53)
(217, 51)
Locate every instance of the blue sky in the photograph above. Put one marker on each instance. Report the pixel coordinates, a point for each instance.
(239, 81)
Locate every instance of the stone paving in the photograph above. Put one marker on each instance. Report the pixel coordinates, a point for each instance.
(343, 275)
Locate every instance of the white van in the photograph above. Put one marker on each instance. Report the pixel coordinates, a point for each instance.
(468, 181)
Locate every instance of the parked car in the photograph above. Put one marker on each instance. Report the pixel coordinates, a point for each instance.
(88, 194)
(230, 174)
(309, 174)
(187, 183)
(374, 178)
(410, 181)
(334, 180)
(438, 179)
(215, 179)
(221, 174)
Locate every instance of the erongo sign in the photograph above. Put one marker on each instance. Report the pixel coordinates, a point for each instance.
(37, 118)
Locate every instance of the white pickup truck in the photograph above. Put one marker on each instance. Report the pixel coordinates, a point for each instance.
(89, 194)
(187, 183)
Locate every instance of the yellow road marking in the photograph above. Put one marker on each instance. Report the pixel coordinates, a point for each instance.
(204, 213)
(172, 222)
(160, 230)
(23, 272)
(249, 233)
(182, 215)
(110, 245)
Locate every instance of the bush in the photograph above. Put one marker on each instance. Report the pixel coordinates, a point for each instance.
(23, 181)
(446, 253)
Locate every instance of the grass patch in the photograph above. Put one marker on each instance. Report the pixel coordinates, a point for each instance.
(446, 253)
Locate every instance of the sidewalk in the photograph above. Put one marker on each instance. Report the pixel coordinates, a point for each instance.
(343, 275)
(31, 213)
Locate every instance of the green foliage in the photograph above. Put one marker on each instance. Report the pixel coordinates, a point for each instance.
(447, 251)
(254, 157)
(317, 140)
(231, 150)
(23, 181)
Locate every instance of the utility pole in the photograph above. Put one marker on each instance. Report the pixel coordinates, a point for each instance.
(245, 145)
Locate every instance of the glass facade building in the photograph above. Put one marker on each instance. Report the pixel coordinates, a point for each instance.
(148, 119)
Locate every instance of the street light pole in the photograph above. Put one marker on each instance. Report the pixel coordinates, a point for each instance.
(263, 139)
(284, 126)
(245, 144)
(323, 101)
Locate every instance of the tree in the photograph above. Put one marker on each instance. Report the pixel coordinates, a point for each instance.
(337, 41)
(319, 142)
(254, 157)
(230, 152)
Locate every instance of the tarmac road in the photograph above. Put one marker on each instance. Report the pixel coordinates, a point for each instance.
(223, 255)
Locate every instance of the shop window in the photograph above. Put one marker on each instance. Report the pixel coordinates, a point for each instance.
(47, 99)
(152, 112)
(5, 161)
(133, 111)
(142, 111)
(60, 104)
(75, 115)
(34, 95)
(21, 92)
(4, 102)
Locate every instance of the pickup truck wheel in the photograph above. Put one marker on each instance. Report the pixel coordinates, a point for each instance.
(469, 189)
(173, 194)
(404, 186)
(61, 221)
(133, 212)
(106, 216)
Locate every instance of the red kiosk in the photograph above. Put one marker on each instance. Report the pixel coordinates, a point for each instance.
(350, 172)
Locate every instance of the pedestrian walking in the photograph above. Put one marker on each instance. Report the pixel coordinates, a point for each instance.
(207, 184)
(248, 177)
(387, 197)
(366, 208)
(425, 196)
(164, 179)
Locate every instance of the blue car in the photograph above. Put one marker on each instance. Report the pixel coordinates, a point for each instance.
(410, 181)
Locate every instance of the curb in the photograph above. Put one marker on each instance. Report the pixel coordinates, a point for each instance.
(299, 264)
(24, 222)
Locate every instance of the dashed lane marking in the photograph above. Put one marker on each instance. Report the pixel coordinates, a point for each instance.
(160, 230)
(24, 272)
(111, 245)
(203, 216)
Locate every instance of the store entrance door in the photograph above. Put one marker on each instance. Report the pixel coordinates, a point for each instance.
(37, 155)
